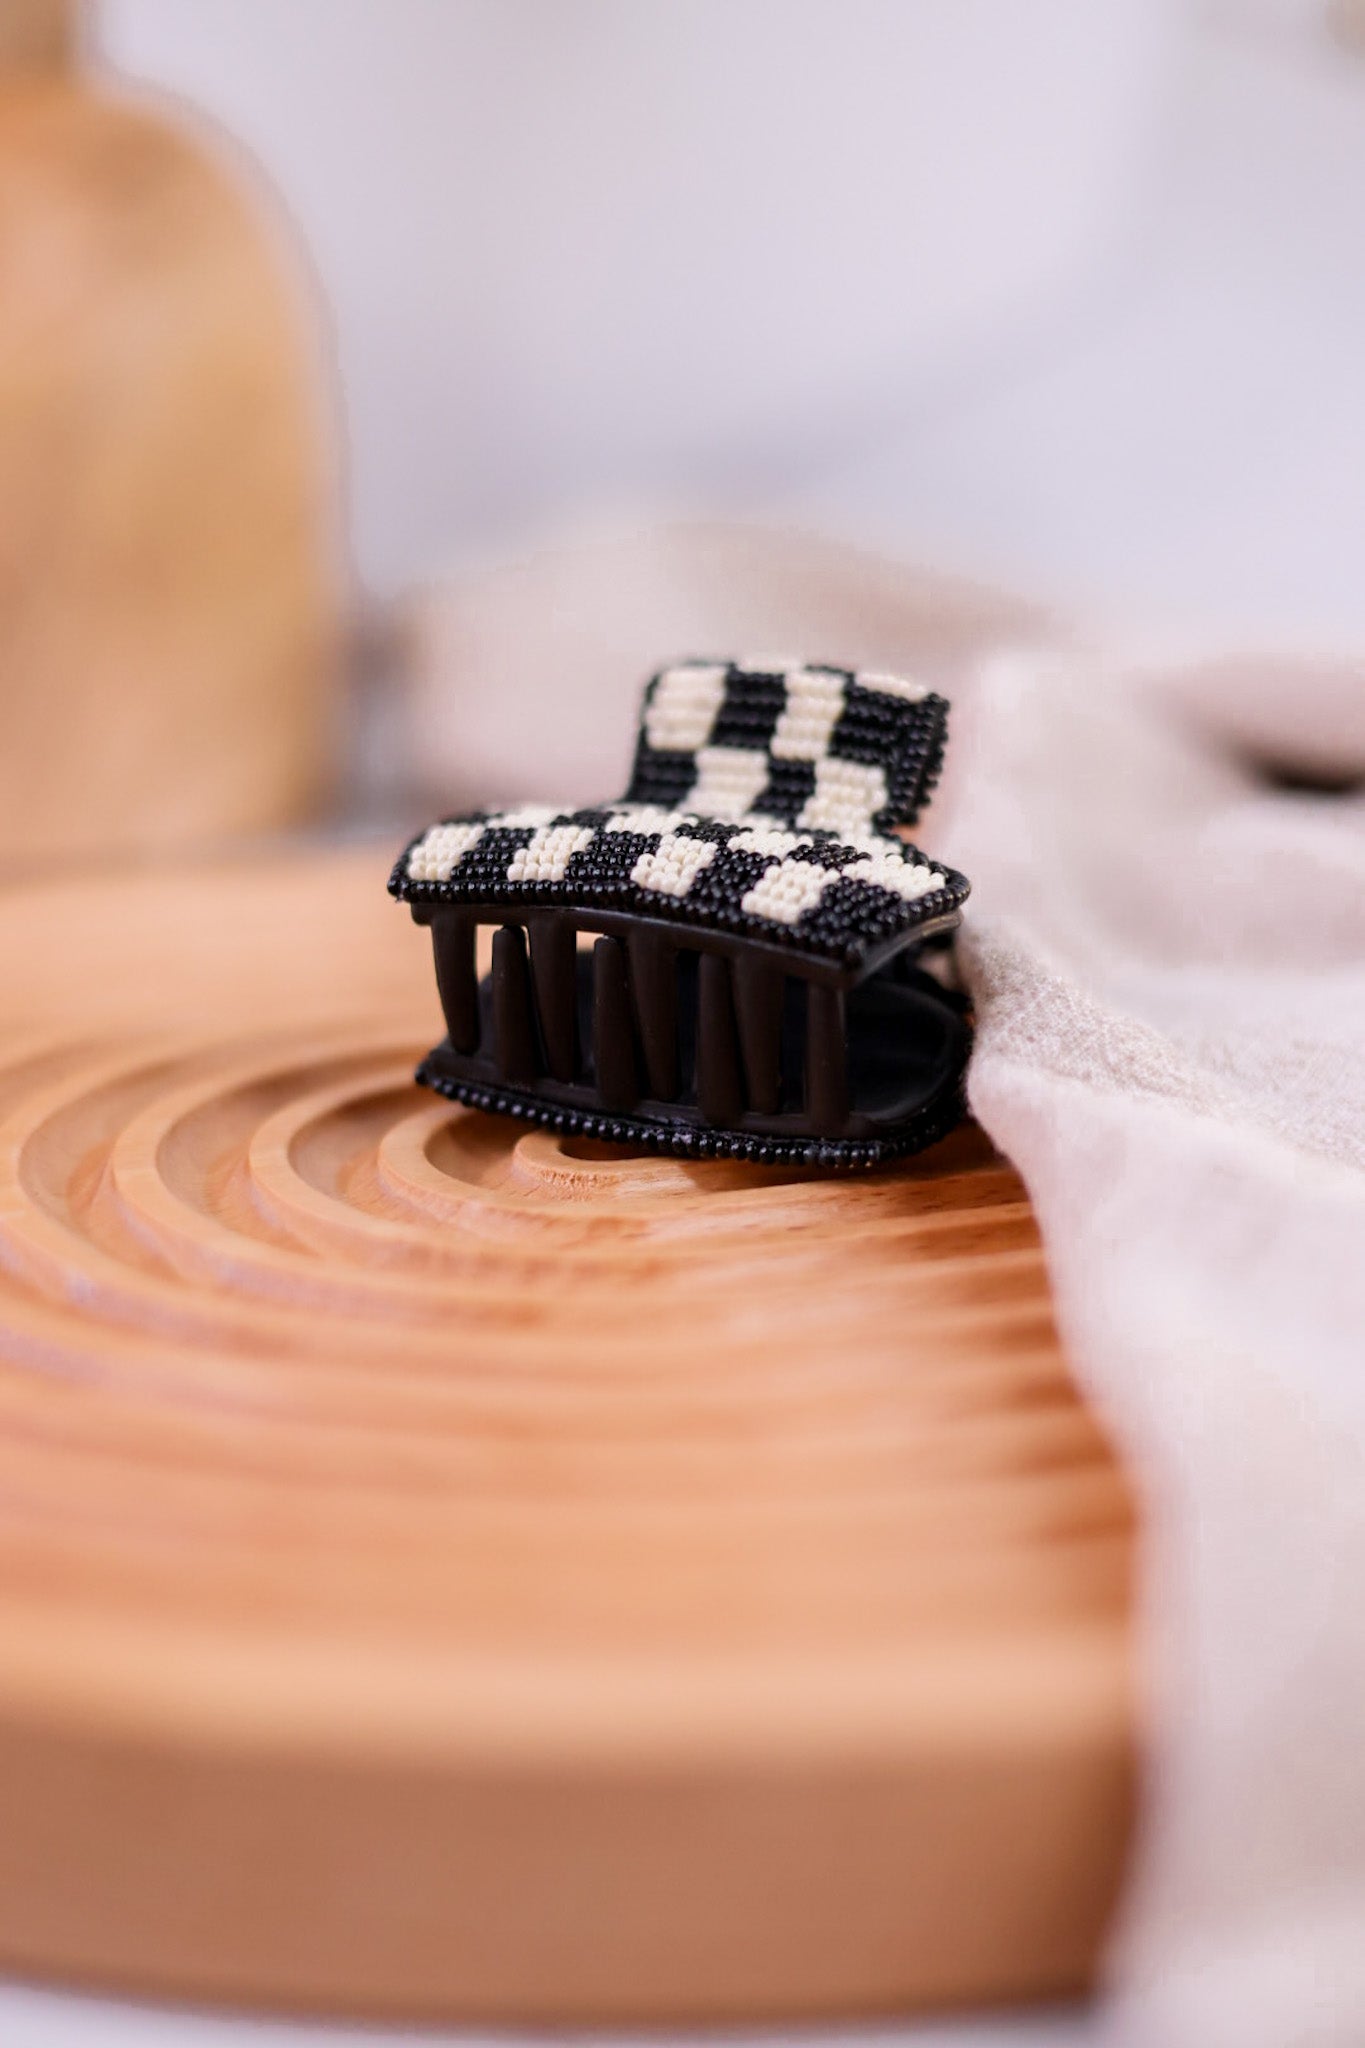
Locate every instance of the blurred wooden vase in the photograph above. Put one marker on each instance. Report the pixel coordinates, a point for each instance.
(168, 592)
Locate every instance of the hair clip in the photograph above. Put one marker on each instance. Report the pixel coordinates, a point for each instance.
(753, 986)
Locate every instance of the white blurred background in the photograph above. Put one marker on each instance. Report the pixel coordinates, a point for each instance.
(1068, 296)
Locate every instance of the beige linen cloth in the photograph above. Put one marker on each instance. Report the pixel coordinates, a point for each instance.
(1167, 950)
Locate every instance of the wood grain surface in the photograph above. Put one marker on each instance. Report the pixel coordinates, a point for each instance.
(450, 1569)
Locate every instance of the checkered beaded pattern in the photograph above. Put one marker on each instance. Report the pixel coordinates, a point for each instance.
(775, 828)
(814, 747)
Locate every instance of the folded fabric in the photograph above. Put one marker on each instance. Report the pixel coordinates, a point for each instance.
(1168, 960)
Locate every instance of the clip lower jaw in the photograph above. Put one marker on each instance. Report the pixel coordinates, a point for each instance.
(695, 1044)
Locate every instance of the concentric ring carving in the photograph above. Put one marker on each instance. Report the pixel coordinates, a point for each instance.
(453, 1568)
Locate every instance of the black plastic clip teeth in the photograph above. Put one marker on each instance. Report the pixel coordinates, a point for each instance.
(726, 962)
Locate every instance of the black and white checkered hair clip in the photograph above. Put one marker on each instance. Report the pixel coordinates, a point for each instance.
(753, 987)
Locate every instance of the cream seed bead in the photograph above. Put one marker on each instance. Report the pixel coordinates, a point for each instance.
(893, 686)
(846, 798)
(527, 814)
(786, 892)
(769, 840)
(546, 857)
(683, 707)
(907, 879)
(646, 818)
(671, 870)
(437, 855)
(815, 700)
(729, 780)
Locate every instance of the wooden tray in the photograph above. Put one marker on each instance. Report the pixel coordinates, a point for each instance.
(453, 1570)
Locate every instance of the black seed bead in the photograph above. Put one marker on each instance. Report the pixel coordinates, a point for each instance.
(690, 1141)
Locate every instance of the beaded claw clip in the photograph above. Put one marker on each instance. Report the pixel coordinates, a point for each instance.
(752, 989)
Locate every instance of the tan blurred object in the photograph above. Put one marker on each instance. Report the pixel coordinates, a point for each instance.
(1347, 21)
(167, 594)
(35, 35)
(453, 1569)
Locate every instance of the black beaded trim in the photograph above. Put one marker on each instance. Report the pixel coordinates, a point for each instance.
(935, 1120)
